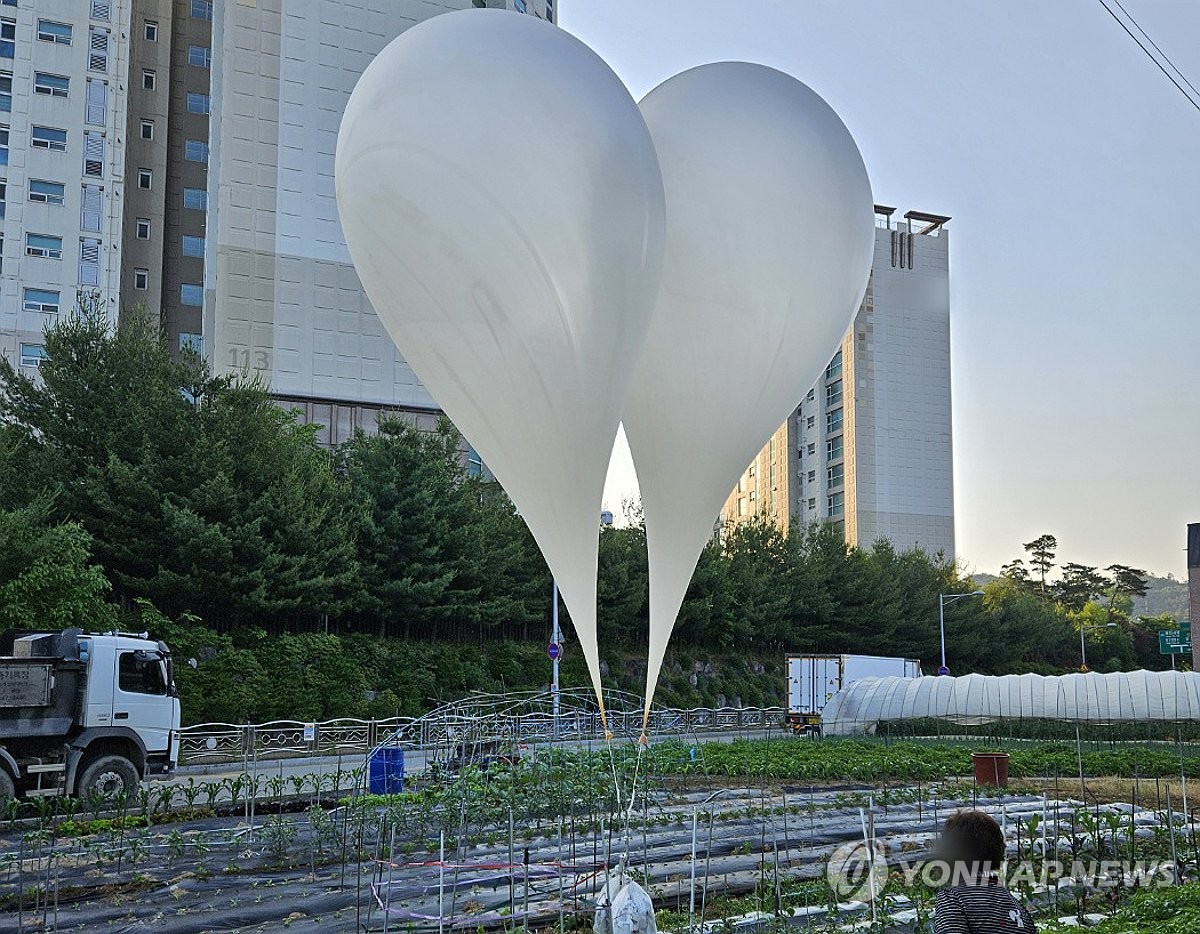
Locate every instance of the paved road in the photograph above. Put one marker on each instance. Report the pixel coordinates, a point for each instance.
(416, 761)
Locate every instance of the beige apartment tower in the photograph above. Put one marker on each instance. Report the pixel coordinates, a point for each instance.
(869, 447)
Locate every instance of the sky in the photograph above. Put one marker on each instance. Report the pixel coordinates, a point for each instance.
(1071, 169)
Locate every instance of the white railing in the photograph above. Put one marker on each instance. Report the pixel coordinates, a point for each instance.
(230, 742)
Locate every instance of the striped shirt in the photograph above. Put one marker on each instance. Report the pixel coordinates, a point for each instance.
(987, 908)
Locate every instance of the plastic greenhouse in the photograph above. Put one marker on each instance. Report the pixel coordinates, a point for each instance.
(1143, 701)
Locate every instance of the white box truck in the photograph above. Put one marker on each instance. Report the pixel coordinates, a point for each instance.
(85, 714)
(814, 679)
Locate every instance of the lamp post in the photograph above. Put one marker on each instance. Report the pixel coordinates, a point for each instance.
(943, 599)
(1083, 645)
(606, 519)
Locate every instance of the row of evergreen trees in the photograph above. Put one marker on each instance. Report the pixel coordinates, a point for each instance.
(130, 479)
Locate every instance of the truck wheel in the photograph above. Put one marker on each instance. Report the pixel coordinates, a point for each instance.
(108, 777)
(7, 790)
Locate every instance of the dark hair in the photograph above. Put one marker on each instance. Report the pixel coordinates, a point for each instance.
(975, 839)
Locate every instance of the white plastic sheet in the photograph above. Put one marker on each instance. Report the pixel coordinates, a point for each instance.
(632, 909)
(503, 206)
(770, 230)
(1117, 697)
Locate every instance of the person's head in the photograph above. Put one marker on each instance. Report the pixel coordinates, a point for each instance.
(972, 841)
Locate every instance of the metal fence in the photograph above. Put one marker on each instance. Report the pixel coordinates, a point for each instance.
(229, 742)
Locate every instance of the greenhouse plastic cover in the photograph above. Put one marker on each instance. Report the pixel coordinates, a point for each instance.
(1086, 698)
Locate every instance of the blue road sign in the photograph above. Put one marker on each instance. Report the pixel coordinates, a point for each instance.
(554, 650)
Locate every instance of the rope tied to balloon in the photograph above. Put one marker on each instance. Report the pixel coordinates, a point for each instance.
(686, 267)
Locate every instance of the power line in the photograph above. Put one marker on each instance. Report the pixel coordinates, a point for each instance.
(1120, 22)
(1165, 57)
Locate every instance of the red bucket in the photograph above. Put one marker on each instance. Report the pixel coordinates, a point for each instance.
(991, 768)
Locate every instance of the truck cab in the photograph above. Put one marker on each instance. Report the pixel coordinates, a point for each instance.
(85, 714)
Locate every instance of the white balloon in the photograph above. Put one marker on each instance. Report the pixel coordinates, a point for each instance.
(770, 231)
(501, 199)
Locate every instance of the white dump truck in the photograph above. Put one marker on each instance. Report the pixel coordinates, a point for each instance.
(814, 679)
(85, 714)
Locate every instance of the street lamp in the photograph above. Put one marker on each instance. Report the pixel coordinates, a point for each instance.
(1083, 645)
(943, 599)
(555, 647)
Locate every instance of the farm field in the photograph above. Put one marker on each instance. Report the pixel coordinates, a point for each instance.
(528, 847)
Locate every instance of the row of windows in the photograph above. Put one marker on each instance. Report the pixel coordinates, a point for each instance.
(55, 140)
(49, 301)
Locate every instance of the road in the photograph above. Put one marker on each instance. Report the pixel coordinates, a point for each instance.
(416, 761)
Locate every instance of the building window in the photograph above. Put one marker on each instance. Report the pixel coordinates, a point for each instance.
(96, 106)
(151, 31)
(97, 49)
(149, 79)
(834, 369)
(43, 301)
(812, 476)
(89, 261)
(45, 137)
(141, 278)
(45, 192)
(836, 505)
(52, 85)
(191, 343)
(8, 38)
(147, 129)
(741, 506)
(812, 503)
(834, 449)
(48, 31)
(191, 294)
(145, 179)
(193, 246)
(812, 449)
(811, 423)
(3, 197)
(5, 93)
(32, 354)
(196, 198)
(202, 9)
(833, 393)
(92, 209)
(43, 245)
(197, 103)
(142, 228)
(3, 145)
(102, 9)
(835, 475)
(200, 56)
(93, 154)
(833, 420)
(195, 150)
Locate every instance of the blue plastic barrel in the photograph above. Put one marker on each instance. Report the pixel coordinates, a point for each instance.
(386, 774)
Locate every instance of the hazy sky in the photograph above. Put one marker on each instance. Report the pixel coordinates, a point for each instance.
(1071, 168)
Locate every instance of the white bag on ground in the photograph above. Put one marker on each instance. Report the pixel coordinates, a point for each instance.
(632, 909)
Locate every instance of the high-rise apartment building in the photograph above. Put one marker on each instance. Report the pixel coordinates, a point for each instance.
(64, 85)
(176, 156)
(869, 447)
(281, 298)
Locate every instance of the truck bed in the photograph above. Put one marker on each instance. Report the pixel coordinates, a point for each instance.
(38, 696)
